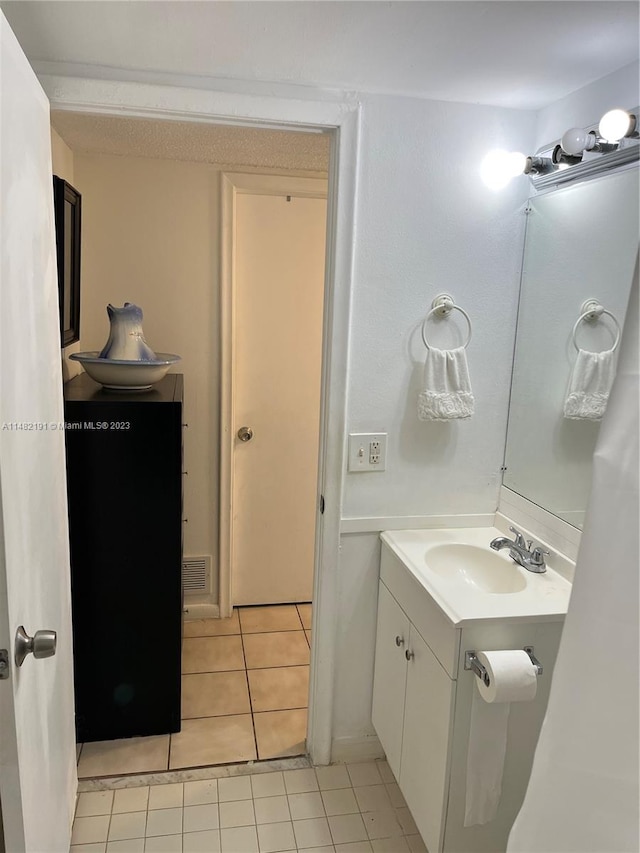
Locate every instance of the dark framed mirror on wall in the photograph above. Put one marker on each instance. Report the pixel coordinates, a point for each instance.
(67, 204)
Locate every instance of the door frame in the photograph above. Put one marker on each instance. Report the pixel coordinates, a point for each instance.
(282, 107)
(233, 184)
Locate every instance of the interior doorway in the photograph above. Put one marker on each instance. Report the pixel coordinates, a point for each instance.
(207, 674)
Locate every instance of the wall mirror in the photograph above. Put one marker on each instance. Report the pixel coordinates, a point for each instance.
(67, 209)
(581, 243)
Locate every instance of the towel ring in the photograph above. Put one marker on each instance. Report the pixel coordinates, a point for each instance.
(590, 312)
(443, 305)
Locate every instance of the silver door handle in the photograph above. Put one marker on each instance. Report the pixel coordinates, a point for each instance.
(41, 645)
(245, 433)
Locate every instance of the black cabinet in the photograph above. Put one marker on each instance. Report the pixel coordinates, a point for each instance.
(124, 480)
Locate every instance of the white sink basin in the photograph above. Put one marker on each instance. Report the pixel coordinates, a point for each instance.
(469, 582)
(479, 568)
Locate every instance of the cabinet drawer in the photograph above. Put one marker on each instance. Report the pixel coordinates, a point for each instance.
(424, 613)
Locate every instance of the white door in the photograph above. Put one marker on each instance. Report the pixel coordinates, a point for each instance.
(279, 295)
(37, 741)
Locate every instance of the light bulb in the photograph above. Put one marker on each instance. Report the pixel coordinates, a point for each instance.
(576, 140)
(499, 166)
(615, 125)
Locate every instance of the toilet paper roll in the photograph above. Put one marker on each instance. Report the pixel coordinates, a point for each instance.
(513, 678)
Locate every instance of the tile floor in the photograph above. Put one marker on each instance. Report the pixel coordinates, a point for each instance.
(245, 682)
(353, 808)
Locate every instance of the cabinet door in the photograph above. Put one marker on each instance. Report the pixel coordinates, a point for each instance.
(425, 745)
(392, 638)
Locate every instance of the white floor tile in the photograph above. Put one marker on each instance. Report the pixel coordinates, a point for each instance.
(276, 837)
(166, 796)
(239, 839)
(312, 833)
(364, 774)
(386, 772)
(416, 844)
(347, 828)
(201, 842)
(340, 801)
(125, 826)
(200, 818)
(97, 847)
(130, 845)
(395, 795)
(267, 785)
(94, 803)
(87, 830)
(164, 822)
(373, 798)
(406, 821)
(334, 776)
(390, 845)
(354, 847)
(271, 810)
(239, 813)
(233, 788)
(163, 844)
(329, 849)
(303, 806)
(300, 781)
(131, 800)
(382, 824)
(201, 793)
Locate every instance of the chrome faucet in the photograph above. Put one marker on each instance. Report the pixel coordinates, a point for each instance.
(520, 551)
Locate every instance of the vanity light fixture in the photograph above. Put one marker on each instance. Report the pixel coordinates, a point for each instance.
(562, 159)
(576, 140)
(539, 166)
(618, 124)
(617, 137)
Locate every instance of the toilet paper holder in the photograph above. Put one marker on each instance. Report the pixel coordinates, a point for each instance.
(472, 663)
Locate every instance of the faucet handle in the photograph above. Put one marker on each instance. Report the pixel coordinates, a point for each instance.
(537, 556)
(519, 538)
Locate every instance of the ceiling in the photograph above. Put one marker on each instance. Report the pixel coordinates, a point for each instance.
(194, 142)
(515, 54)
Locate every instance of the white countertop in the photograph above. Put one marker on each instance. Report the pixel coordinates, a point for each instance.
(544, 596)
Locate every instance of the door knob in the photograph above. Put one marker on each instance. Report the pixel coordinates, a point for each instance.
(245, 433)
(41, 645)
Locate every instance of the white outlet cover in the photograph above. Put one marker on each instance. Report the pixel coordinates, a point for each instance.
(358, 456)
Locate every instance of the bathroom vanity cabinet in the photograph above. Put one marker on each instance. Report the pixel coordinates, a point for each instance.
(124, 481)
(422, 707)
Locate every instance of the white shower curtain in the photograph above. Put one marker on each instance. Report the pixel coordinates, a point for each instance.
(583, 791)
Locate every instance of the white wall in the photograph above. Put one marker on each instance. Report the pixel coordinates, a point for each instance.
(425, 224)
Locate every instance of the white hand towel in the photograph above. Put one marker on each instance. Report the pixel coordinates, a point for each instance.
(591, 380)
(447, 387)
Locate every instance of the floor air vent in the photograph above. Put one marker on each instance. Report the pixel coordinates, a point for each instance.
(196, 572)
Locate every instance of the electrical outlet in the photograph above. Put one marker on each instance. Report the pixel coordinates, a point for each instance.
(367, 451)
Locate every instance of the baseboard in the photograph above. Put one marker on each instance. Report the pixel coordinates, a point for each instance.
(200, 611)
(345, 750)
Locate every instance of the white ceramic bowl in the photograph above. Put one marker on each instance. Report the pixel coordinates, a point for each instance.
(125, 375)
